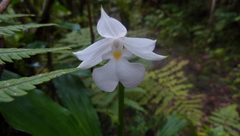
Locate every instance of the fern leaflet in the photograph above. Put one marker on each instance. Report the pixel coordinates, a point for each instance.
(7, 30)
(228, 118)
(18, 87)
(13, 53)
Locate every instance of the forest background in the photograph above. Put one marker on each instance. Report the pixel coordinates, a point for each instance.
(200, 79)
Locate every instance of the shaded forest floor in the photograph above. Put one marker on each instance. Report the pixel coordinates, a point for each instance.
(208, 77)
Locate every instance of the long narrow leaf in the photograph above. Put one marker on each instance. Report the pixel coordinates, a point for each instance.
(75, 97)
(38, 115)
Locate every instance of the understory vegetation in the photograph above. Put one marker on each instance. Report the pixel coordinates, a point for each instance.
(195, 91)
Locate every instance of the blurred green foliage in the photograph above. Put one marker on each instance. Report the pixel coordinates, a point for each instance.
(203, 35)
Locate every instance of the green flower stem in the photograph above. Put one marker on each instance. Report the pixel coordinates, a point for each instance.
(120, 109)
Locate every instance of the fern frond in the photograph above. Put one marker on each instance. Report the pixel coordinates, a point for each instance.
(228, 118)
(8, 16)
(168, 89)
(8, 54)
(7, 30)
(19, 87)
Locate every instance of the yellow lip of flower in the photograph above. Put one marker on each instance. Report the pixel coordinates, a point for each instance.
(117, 55)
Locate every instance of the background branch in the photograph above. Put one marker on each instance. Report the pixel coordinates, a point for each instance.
(212, 11)
(90, 21)
(3, 5)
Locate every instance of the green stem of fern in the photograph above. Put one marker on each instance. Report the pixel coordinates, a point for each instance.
(120, 109)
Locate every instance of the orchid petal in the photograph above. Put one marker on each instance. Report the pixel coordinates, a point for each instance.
(130, 74)
(146, 55)
(126, 53)
(106, 77)
(144, 43)
(142, 47)
(92, 55)
(86, 64)
(93, 49)
(109, 27)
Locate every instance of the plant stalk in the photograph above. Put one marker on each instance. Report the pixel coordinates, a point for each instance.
(120, 109)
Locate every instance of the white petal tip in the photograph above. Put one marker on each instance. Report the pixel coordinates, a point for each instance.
(103, 13)
(108, 90)
(166, 57)
(162, 57)
(79, 66)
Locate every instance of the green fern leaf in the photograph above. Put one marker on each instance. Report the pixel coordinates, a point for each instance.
(5, 17)
(18, 87)
(8, 54)
(168, 89)
(226, 117)
(8, 30)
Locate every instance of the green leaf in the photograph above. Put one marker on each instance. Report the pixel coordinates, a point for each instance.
(37, 44)
(8, 30)
(237, 18)
(8, 16)
(7, 54)
(113, 117)
(61, 8)
(174, 124)
(70, 26)
(18, 87)
(38, 115)
(75, 97)
(9, 75)
(133, 104)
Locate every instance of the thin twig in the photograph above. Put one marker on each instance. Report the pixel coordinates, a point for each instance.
(212, 11)
(46, 11)
(90, 21)
(41, 69)
(90, 25)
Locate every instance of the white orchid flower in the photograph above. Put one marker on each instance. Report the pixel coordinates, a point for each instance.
(118, 69)
(114, 33)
